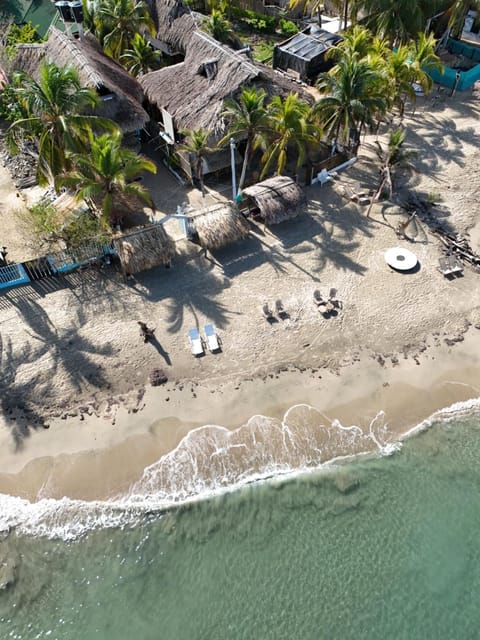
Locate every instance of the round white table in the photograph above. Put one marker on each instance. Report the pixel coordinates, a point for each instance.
(400, 259)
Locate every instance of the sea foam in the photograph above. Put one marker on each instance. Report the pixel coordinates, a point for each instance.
(211, 460)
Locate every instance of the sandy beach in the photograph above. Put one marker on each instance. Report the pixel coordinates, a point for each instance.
(405, 344)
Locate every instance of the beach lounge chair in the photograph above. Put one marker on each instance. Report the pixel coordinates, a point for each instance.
(211, 337)
(195, 342)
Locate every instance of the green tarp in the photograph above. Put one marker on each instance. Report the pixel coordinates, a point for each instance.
(40, 13)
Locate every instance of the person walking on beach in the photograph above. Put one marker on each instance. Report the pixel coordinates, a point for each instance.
(145, 331)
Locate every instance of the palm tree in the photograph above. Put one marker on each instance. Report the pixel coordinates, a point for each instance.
(107, 174)
(141, 57)
(397, 20)
(401, 76)
(54, 106)
(357, 42)
(424, 59)
(247, 119)
(221, 29)
(197, 144)
(288, 125)
(118, 21)
(346, 9)
(390, 157)
(355, 91)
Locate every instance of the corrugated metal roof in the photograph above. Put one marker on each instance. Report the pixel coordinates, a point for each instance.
(307, 46)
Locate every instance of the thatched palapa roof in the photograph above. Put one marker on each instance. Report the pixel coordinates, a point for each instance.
(95, 70)
(193, 91)
(175, 23)
(278, 199)
(144, 248)
(219, 225)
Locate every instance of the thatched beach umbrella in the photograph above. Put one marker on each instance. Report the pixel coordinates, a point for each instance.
(219, 225)
(277, 199)
(144, 249)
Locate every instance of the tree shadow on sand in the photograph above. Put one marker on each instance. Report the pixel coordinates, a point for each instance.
(195, 289)
(64, 349)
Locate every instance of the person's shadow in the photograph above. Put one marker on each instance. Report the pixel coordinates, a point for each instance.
(153, 341)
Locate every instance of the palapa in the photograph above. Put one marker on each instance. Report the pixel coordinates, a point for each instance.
(193, 91)
(277, 199)
(122, 93)
(175, 23)
(219, 225)
(145, 248)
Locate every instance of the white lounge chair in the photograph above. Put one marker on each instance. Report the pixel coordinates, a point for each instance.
(195, 342)
(211, 337)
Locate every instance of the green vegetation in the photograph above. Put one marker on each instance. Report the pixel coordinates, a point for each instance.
(248, 120)
(73, 228)
(287, 27)
(221, 29)
(391, 156)
(141, 57)
(54, 118)
(105, 176)
(197, 143)
(288, 125)
(20, 34)
(263, 51)
(116, 23)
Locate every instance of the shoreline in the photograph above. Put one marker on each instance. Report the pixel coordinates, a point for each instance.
(93, 459)
(405, 344)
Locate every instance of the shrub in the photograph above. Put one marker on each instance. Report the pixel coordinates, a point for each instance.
(288, 28)
(255, 21)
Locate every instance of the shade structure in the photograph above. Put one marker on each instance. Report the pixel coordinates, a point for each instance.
(121, 94)
(144, 248)
(400, 259)
(277, 199)
(219, 225)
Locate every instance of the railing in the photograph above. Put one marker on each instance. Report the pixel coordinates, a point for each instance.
(12, 274)
(58, 262)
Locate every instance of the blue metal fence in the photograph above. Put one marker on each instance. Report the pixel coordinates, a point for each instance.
(12, 274)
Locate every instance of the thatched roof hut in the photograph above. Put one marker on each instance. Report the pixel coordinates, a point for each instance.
(219, 225)
(145, 248)
(193, 91)
(121, 94)
(175, 23)
(277, 199)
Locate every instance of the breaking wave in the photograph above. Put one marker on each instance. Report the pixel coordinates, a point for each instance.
(211, 460)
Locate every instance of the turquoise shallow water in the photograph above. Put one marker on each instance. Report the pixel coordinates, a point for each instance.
(378, 548)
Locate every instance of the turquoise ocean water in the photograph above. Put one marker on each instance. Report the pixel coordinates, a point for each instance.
(376, 548)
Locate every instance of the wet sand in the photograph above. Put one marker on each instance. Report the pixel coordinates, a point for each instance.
(93, 459)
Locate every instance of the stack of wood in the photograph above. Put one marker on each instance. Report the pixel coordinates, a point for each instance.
(454, 244)
(458, 246)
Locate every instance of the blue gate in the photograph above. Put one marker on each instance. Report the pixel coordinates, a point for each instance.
(12, 274)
